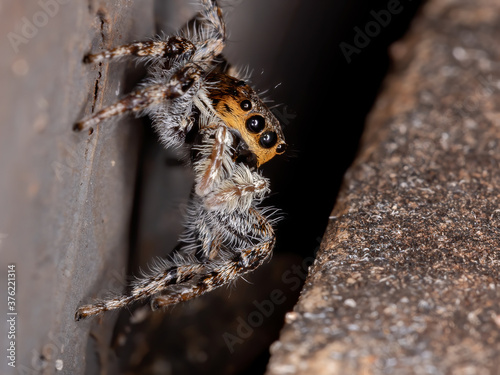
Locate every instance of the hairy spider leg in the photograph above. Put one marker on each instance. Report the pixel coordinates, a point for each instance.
(181, 282)
(210, 44)
(143, 288)
(213, 15)
(212, 39)
(225, 271)
(213, 166)
(170, 48)
(147, 97)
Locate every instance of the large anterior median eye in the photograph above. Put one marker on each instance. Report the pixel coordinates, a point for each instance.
(268, 139)
(256, 124)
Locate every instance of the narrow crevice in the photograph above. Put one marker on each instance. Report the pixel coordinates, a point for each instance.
(101, 14)
(103, 23)
(96, 89)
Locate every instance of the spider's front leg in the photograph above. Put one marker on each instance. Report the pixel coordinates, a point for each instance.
(172, 47)
(209, 43)
(147, 97)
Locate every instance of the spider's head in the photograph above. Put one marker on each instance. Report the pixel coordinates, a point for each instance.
(241, 109)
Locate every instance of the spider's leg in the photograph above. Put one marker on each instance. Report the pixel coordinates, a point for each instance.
(222, 272)
(239, 191)
(134, 102)
(213, 15)
(211, 44)
(172, 47)
(147, 97)
(212, 38)
(210, 169)
(170, 274)
(181, 281)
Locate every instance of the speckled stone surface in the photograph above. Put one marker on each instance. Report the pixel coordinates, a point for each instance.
(407, 277)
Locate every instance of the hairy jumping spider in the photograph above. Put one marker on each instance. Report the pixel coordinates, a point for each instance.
(198, 102)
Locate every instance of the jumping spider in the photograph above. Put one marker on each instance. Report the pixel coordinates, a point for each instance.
(199, 103)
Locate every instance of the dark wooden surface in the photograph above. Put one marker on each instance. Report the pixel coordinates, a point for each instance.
(65, 198)
(407, 278)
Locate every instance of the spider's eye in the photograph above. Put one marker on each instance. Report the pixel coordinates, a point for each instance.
(246, 105)
(256, 124)
(268, 139)
(281, 148)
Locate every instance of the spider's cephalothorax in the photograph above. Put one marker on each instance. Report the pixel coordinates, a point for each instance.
(198, 102)
(240, 108)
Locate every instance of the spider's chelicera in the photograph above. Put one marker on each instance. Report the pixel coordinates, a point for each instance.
(197, 101)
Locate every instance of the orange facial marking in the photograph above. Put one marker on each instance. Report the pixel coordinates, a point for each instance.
(240, 108)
